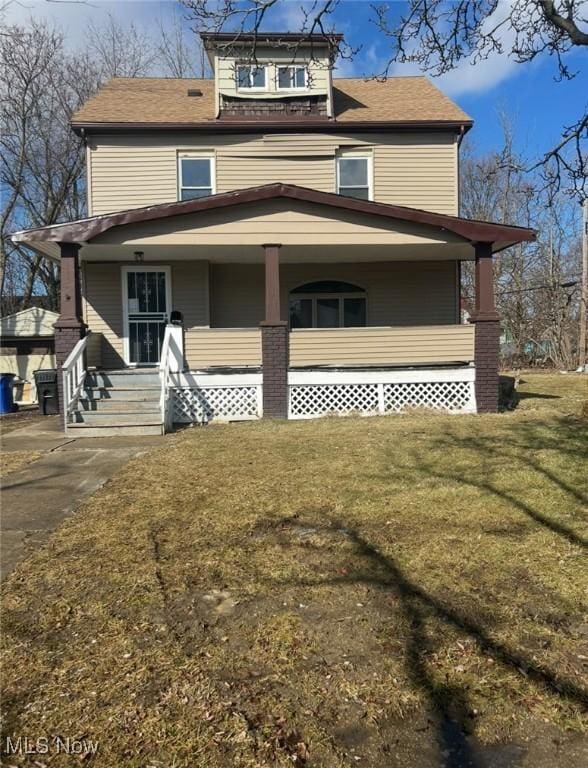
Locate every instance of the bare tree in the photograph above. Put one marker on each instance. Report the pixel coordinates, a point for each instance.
(180, 53)
(41, 161)
(121, 51)
(437, 35)
(248, 17)
(537, 284)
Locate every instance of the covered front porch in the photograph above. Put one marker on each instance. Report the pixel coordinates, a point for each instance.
(286, 302)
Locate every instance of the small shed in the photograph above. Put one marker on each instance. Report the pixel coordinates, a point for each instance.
(27, 342)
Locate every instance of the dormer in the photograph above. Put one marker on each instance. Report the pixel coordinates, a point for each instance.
(272, 76)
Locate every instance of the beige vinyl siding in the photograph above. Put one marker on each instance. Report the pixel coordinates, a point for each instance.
(398, 293)
(420, 345)
(103, 302)
(271, 58)
(288, 222)
(208, 348)
(414, 169)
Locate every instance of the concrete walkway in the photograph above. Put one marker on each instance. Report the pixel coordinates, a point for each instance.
(37, 498)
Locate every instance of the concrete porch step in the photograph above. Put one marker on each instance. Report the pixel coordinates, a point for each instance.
(121, 393)
(126, 418)
(121, 405)
(128, 379)
(131, 430)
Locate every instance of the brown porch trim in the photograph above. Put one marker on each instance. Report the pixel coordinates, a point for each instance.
(69, 328)
(487, 337)
(84, 230)
(324, 125)
(275, 341)
(272, 283)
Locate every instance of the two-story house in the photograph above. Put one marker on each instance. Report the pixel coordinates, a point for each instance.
(300, 231)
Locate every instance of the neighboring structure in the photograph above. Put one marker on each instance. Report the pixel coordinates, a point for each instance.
(27, 343)
(306, 229)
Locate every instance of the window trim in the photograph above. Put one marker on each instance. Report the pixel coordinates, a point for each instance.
(294, 87)
(250, 88)
(313, 296)
(370, 172)
(182, 155)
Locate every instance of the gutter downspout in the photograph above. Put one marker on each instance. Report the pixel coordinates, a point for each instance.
(459, 140)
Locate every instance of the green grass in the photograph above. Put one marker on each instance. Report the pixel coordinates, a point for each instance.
(327, 593)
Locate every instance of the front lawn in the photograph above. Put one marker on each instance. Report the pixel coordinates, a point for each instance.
(396, 591)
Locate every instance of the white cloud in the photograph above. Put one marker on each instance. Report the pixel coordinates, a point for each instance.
(74, 17)
(484, 74)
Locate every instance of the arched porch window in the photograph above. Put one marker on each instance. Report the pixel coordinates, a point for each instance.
(328, 304)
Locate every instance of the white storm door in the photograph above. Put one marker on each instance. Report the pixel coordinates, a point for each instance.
(147, 304)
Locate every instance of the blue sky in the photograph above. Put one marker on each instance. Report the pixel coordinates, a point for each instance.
(538, 105)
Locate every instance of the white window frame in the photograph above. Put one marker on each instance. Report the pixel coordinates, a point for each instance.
(250, 88)
(314, 297)
(196, 156)
(370, 171)
(292, 87)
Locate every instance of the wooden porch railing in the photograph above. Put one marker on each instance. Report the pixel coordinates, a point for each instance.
(220, 347)
(73, 373)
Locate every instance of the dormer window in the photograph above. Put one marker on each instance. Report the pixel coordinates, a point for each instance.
(292, 78)
(251, 77)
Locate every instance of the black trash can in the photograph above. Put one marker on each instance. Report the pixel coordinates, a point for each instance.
(46, 383)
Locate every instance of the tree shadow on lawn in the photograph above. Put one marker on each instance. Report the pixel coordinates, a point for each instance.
(448, 702)
(535, 396)
(529, 440)
(449, 708)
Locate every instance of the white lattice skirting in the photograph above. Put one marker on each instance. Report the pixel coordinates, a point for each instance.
(341, 393)
(201, 398)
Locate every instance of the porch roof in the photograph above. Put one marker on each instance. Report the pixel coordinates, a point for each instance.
(103, 228)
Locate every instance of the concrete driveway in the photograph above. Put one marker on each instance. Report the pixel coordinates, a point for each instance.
(38, 497)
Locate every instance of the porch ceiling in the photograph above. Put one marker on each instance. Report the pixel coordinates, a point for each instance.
(233, 226)
(289, 254)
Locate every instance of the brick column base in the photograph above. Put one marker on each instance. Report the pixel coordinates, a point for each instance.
(67, 335)
(486, 358)
(275, 360)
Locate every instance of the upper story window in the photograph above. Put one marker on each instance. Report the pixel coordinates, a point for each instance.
(251, 77)
(291, 78)
(195, 176)
(328, 304)
(354, 176)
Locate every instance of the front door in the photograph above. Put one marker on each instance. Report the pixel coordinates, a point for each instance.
(147, 299)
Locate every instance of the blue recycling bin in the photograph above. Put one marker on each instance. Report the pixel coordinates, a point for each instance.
(6, 400)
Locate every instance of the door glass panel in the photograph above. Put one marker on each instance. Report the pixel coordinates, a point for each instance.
(327, 313)
(300, 313)
(151, 298)
(132, 285)
(354, 313)
(161, 292)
